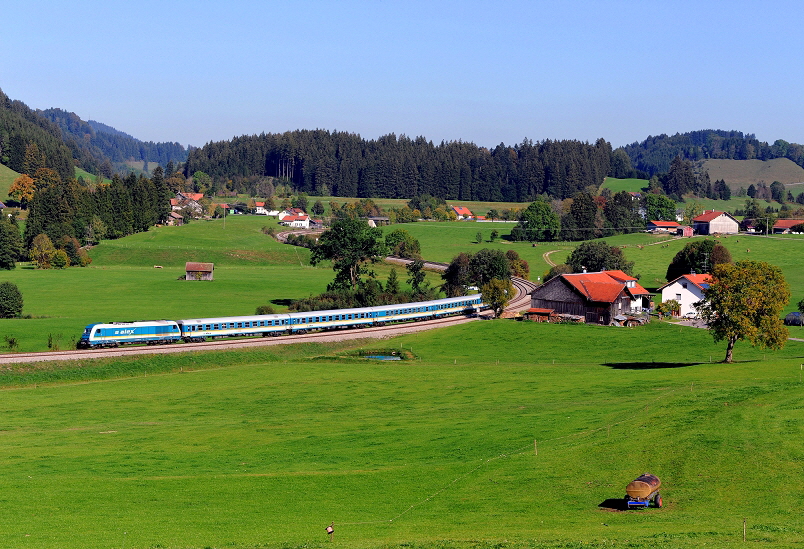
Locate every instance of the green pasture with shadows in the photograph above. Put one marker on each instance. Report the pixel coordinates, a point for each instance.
(264, 448)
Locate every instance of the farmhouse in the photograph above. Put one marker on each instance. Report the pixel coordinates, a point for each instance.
(462, 212)
(714, 222)
(784, 226)
(188, 200)
(686, 289)
(662, 226)
(259, 208)
(296, 221)
(198, 271)
(596, 297)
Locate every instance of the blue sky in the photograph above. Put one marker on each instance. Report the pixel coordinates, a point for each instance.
(486, 72)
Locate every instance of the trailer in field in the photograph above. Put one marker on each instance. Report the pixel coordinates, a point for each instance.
(644, 491)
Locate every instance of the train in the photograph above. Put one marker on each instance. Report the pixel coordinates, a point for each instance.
(160, 332)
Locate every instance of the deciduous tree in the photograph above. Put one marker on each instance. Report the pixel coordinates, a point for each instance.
(10, 300)
(597, 255)
(497, 293)
(350, 244)
(743, 302)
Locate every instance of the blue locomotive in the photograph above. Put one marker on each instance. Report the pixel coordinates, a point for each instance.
(199, 329)
(152, 332)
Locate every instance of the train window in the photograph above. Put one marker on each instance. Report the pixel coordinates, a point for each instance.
(214, 326)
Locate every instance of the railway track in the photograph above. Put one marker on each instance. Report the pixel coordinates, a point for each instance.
(520, 301)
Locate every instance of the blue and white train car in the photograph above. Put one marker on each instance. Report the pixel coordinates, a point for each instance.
(301, 323)
(198, 329)
(114, 334)
(468, 304)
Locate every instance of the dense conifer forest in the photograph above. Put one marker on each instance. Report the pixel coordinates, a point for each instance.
(321, 162)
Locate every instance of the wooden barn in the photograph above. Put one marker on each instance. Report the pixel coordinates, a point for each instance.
(597, 297)
(198, 271)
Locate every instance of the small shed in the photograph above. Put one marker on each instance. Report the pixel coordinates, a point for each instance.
(684, 230)
(198, 271)
(538, 314)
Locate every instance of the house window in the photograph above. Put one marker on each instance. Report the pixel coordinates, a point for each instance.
(678, 298)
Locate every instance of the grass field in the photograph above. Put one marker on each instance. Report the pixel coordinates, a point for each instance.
(7, 177)
(629, 185)
(264, 448)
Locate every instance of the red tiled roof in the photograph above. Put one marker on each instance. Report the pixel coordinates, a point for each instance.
(697, 279)
(203, 267)
(598, 287)
(667, 224)
(461, 210)
(290, 218)
(194, 196)
(540, 311)
(787, 223)
(259, 204)
(706, 217)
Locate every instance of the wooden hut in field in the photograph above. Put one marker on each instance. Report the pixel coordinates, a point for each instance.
(198, 271)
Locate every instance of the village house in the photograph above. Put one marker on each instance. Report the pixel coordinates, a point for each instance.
(462, 212)
(296, 221)
(715, 222)
(597, 297)
(259, 208)
(687, 290)
(188, 200)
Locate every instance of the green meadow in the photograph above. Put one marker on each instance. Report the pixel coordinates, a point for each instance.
(496, 434)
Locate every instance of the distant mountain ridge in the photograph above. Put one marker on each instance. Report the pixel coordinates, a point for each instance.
(654, 154)
(94, 143)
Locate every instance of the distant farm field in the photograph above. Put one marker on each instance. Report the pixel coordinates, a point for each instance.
(499, 434)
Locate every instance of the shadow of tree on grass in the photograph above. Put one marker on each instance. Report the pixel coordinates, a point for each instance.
(648, 365)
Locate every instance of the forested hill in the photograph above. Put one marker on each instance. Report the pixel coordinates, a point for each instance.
(654, 154)
(344, 164)
(20, 127)
(93, 143)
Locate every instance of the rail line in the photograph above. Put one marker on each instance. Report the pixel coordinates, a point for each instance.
(521, 300)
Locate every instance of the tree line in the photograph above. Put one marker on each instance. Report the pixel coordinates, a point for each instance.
(325, 163)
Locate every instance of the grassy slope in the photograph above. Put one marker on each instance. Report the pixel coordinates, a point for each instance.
(630, 185)
(264, 448)
(742, 173)
(7, 177)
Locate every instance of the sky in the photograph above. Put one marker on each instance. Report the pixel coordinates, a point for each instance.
(485, 72)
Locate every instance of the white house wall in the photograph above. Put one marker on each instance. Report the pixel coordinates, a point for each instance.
(689, 295)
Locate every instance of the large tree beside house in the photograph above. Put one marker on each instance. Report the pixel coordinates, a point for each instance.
(744, 302)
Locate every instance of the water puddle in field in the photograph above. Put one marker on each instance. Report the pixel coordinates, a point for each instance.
(383, 357)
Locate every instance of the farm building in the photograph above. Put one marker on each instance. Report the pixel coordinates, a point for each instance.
(188, 200)
(662, 226)
(785, 226)
(684, 230)
(462, 212)
(198, 271)
(596, 297)
(296, 221)
(686, 289)
(714, 222)
(175, 218)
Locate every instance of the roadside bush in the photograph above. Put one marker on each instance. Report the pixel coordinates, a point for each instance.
(265, 310)
(10, 300)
